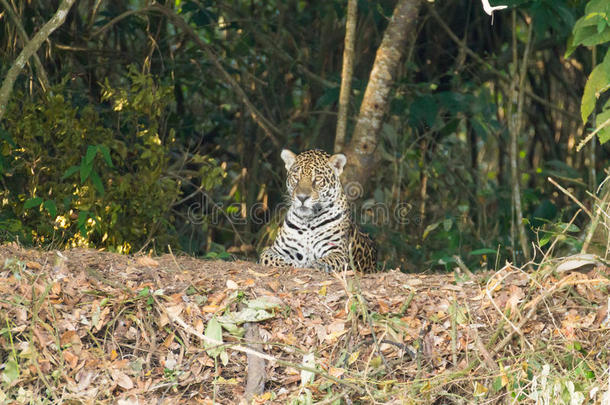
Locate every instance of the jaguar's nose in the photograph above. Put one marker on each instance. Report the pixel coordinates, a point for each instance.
(302, 197)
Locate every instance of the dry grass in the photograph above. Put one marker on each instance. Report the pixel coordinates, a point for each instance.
(83, 326)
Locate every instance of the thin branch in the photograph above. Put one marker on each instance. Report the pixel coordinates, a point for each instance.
(515, 129)
(29, 49)
(592, 134)
(602, 206)
(566, 192)
(256, 375)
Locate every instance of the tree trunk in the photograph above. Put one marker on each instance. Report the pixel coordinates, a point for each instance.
(514, 127)
(361, 149)
(29, 49)
(346, 74)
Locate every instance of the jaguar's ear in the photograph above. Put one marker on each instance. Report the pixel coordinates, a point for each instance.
(337, 162)
(288, 157)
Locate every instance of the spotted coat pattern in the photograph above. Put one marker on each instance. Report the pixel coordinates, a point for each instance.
(318, 231)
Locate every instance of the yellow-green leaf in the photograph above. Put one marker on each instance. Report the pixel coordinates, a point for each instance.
(597, 83)
(602, 120)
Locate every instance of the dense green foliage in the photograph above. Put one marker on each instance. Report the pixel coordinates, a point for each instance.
(78, 175)
(147, 140)
(593, 29)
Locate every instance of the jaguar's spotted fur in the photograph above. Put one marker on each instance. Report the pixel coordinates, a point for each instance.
(318, 231)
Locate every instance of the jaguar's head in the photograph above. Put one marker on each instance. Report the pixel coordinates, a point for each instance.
(313, 180)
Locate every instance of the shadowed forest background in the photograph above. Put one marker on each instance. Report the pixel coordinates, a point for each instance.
(144, 126)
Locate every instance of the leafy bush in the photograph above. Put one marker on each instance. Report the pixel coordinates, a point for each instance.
(80, 176)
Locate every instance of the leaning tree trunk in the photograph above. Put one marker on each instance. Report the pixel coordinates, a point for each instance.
(361, 150)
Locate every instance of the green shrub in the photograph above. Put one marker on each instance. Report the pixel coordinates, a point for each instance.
(92, 176)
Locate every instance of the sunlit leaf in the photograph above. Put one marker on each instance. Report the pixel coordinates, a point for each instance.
(598, 82)
(213, 331)
(11, 370)
(224, 357)
(430, 228)
(479, 389)
(592, 29)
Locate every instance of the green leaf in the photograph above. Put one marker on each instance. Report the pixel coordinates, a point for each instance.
(97, 182)
(105, 154)
(423, 110)
(82, 219)
(497, 384)
(213, 331)
(330, 96)
(11, 370)
(85, 171)
(430, 228)
(70, 172)
(601, 26)
(51, 207)
(597, 82)
(262, 303)
(483, 251)
(5, 136)
(586, 30)
(604, 134)
(91, 152)
(458, 313)
(224, 357)
(597, 6)
(232, 319)
(568, 227)
(32, 202)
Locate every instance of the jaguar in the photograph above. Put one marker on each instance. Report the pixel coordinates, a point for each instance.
(318, 231)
